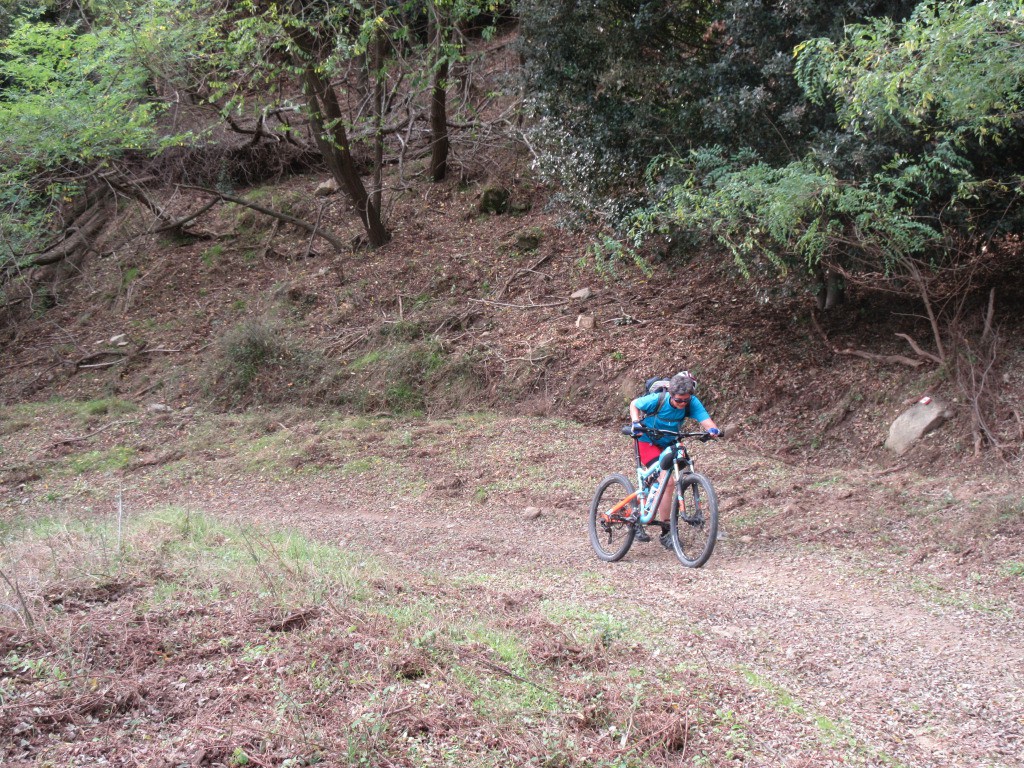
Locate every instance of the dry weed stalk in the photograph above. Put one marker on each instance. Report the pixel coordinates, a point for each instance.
(26, 614)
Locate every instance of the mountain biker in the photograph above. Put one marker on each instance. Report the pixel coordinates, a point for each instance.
(644, 411)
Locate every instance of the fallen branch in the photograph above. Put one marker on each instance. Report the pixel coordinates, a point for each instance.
(69, 440)
(918, 350)
(521, 306)
(176, 226)
(77, 236)
(900, 359)
(315, 230)
(521, 271)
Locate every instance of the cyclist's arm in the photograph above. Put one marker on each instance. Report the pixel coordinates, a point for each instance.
(635, 414)
(636, 408)
(700, 414)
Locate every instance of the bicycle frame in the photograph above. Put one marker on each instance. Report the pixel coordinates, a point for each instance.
(678, 455)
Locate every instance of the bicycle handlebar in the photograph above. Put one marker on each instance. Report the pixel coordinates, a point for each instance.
(653, 432)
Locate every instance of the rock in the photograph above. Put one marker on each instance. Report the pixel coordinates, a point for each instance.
(582, 293)
(118, 340)
(914, 423)
(585, 322)
(159, 408)
(495, 200)
(326, 188)
(531, 513)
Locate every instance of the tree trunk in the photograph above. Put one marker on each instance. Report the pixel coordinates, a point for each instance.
(377, 61)
(830, 289)
(333, 143)
(331, 137)
(439, 143)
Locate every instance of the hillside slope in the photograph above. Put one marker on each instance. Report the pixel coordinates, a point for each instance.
(467, 310)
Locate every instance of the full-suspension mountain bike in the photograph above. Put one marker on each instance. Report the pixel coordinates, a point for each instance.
(619, 510)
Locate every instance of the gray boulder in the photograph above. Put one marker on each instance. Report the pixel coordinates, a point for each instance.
(914, 423)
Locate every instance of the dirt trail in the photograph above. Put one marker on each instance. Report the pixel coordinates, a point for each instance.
(841, 649)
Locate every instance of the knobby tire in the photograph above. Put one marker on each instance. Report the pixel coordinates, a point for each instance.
(694, 528)
(611, 538)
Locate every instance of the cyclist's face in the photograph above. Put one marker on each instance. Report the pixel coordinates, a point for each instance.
(680, 401)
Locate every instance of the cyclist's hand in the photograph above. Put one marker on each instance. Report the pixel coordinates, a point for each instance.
(715, 432)
(636, 429)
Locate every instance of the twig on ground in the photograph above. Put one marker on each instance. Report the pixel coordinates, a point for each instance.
(521, 271)
(521, 306)
(509, 673)
(81, 438)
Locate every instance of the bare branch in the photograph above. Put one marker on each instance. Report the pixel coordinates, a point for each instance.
(918, 350)
(316, 230)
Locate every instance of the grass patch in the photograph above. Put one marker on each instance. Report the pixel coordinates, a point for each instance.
(110, 406)
(1012, 568)
(412, 374)
(108, 460)
(260, 362)
(941, 595)
(593, 627)
(751, 516)
(830, 733)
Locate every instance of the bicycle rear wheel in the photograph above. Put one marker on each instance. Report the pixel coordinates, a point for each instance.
(611, 533)
(694, 526)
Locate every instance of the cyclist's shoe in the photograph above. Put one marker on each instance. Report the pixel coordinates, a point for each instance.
(666, 541)
(642, 535)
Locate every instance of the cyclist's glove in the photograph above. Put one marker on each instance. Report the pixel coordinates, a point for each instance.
(715, 432)
(636, 429)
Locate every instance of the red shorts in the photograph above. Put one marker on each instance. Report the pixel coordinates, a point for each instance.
(648, 452)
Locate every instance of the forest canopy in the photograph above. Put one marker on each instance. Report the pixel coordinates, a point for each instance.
(874, 143)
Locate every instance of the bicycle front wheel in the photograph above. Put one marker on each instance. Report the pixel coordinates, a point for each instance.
(611, 532)
(694, 523)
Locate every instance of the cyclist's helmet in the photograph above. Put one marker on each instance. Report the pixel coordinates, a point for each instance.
(683, 383)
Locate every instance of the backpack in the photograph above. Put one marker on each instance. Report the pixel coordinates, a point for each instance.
(657, 384)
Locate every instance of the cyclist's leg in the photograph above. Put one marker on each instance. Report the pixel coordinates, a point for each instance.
(648, 454)
(665, 508)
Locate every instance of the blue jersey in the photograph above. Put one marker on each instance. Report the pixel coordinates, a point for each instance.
(669, 417)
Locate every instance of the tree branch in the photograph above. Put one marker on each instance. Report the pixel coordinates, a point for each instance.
(315, 230)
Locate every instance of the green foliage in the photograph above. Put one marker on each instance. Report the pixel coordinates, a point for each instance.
(607, 255)
(604, 83)
(952, 71)
(613, 84)
(70, 98)
(74, 101)
(918, 104)
(797, 216)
